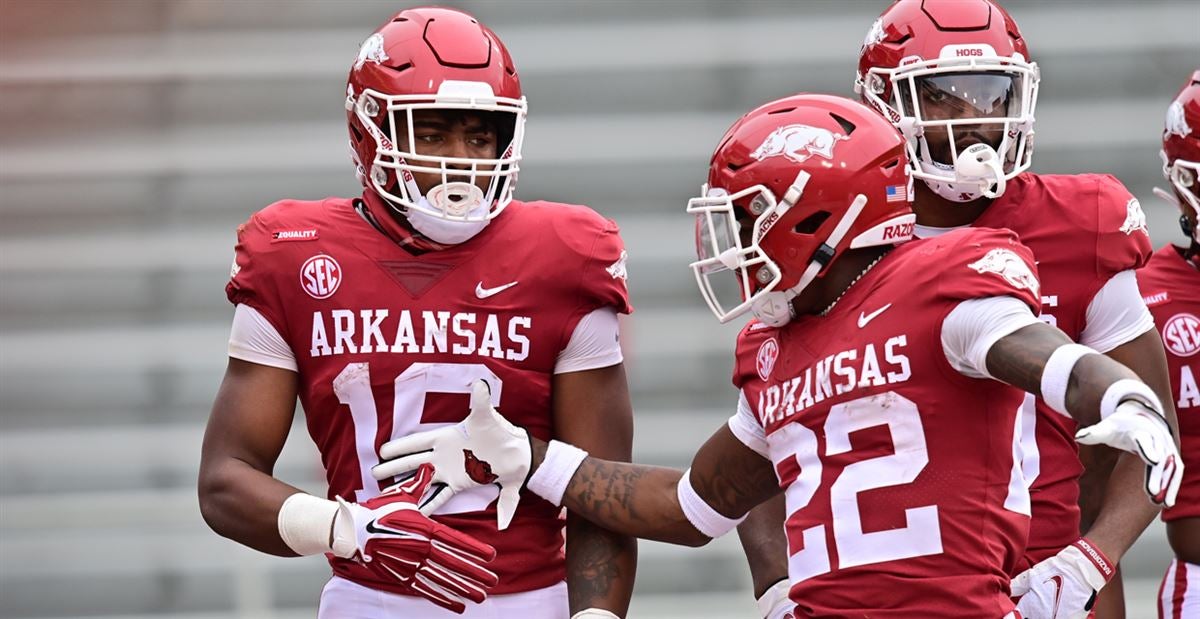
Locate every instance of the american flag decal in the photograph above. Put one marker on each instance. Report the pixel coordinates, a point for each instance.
(896, 193)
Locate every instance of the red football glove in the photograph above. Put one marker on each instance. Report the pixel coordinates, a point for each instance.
(393, 539)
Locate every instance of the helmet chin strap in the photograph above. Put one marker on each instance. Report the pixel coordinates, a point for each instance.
(977, 173)
(774, 308)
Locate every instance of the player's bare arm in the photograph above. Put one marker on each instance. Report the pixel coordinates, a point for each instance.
(761, 536)
(592, 410)
(689, 508)
(249, 423)
(241, 500)
(643, 501)
(1020, 359)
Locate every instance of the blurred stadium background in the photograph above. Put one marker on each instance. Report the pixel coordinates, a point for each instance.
(135, 135)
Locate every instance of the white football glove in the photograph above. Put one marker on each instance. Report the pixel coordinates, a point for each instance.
(1143, 431)
(775, 604)
(480, 450)
(391, 538)
(1065, 585)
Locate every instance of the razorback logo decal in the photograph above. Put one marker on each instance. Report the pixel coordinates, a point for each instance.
(478, 470)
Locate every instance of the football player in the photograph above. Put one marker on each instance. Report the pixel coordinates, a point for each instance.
(956, 77)
(870, 385)
(1170, 285)
(379, 311)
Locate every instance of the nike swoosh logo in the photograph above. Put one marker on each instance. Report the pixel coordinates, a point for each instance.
(1057, 580)
(377, 530)
(864, 318)
(484, 293)
(371, 528)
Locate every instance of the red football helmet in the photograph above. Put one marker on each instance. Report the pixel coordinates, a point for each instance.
(792, 186)
(958, 71)
(1181, 152)
(433, 58)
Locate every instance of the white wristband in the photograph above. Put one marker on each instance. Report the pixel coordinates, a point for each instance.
(595, 613)
(305, 522)
(1057, 374)
(550, 479)
(702, 516)
(1129, 389)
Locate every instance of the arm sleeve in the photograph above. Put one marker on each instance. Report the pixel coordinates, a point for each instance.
(745, 427)
(595, 343)
(254, 339)
(973, 326)
(1117, 314)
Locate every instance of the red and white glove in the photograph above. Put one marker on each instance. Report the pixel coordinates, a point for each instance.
(483, 449)
(1065, 585)
(390, 536)
(1141, 430)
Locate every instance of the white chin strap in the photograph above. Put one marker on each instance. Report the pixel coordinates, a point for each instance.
(977, 171)
(464, 208)
(774, 308)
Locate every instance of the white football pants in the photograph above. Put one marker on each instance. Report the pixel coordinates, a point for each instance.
(342, 599)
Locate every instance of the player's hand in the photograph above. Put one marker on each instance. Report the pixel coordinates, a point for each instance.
(480, 450)
(1065, 585)
(393, 539)
(1143, 431)
(775, 604)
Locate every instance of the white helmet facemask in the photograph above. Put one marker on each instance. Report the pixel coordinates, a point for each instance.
(983, 105)
(724, 260)
(456, 209)
(1183, 177)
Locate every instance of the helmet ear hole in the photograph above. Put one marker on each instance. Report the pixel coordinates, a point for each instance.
(846, 125)
(810, 224)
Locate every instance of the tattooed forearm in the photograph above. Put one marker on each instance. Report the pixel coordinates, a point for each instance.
(1020, 357)
(737, 480)
(642, 501)
(632, 499)
(600, 567)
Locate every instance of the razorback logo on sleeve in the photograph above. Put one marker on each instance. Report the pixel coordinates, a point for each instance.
(617, 269)
(1135, 218)
(1007, 264)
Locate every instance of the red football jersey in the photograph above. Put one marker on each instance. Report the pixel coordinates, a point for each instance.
(1171, 288)
(388, 343)
(1083, 229)
(897, 468)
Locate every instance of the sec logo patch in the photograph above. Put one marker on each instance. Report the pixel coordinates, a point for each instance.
(320, 276)
(767, 354)
(1181, 335)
